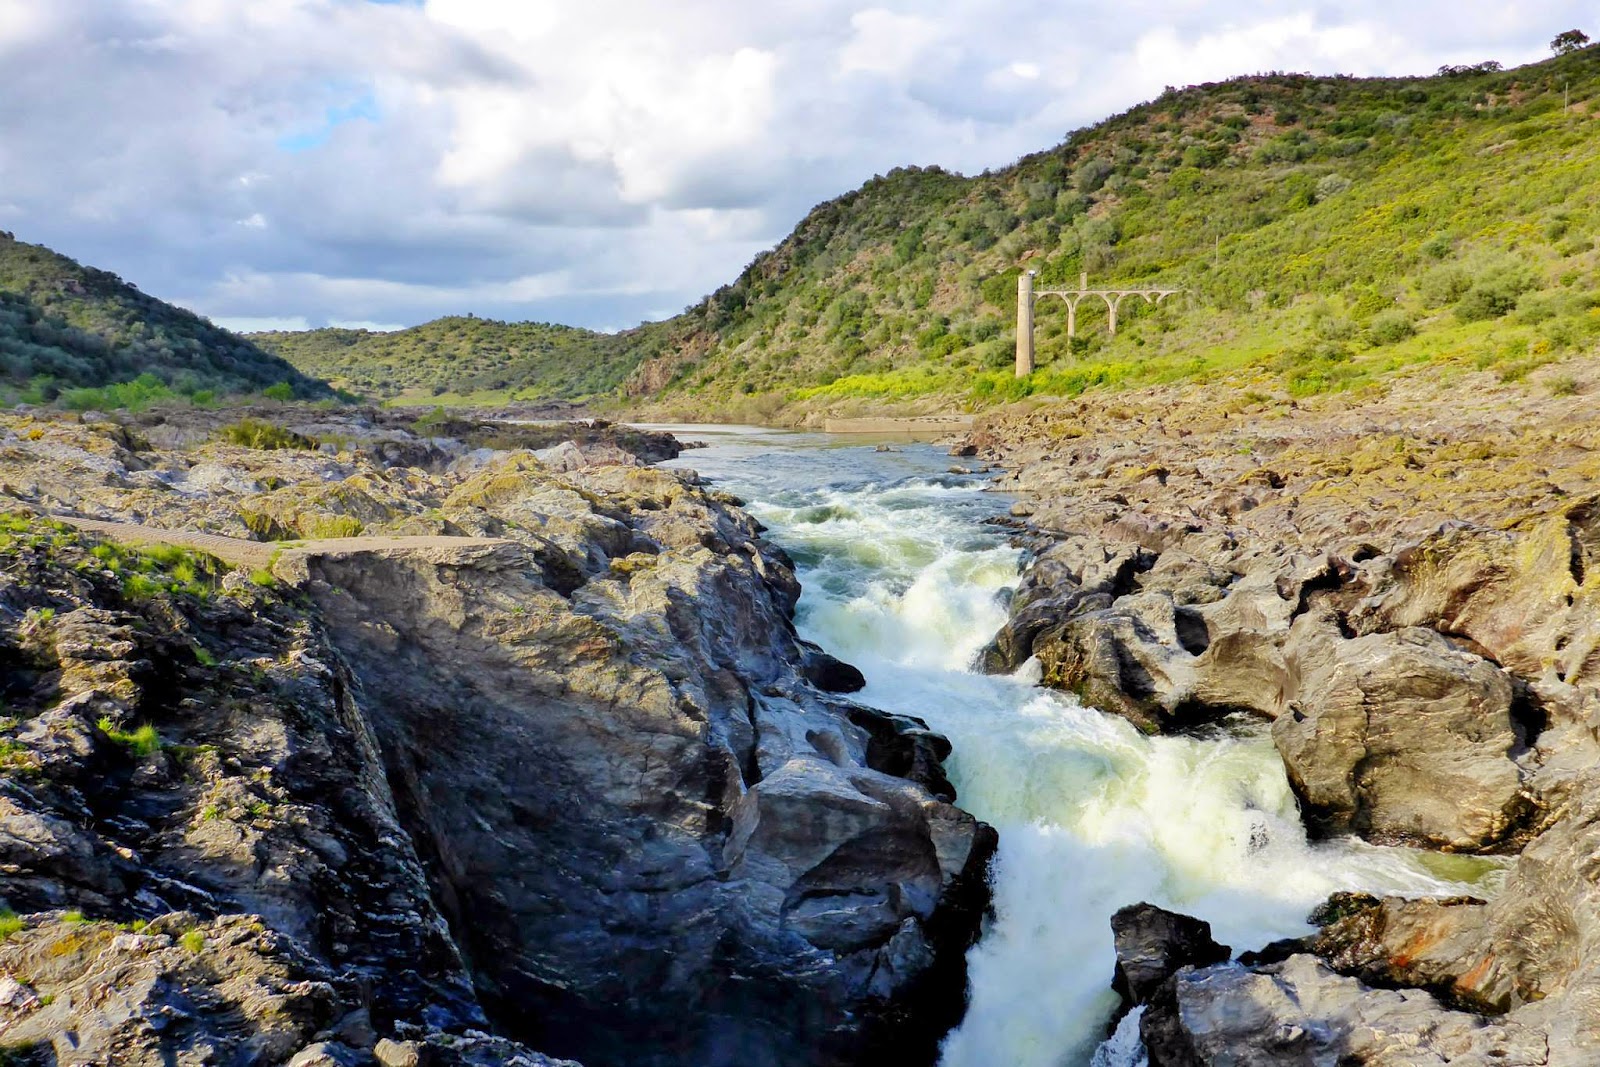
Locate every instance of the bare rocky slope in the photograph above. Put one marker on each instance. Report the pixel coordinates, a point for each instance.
(522, 753)
(1404, 583)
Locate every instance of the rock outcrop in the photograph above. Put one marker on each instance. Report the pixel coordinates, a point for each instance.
(560, 771)
(1407, 589)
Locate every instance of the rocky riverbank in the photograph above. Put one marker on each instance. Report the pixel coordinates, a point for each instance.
(1406, 586)
(511, 747)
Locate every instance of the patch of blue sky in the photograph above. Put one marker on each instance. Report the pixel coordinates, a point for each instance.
(363, 108)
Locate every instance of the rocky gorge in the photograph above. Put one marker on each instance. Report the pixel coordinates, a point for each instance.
(339, 737)
(345, 742)
(1403, 584)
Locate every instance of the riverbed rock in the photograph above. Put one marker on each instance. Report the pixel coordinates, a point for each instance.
(1128, 659)
(1430, 943)
(1300, 1012)
(1071, 576)
(1400, 735)
(1152, 944)
(146, 998)
(765, 814)
(828, 673)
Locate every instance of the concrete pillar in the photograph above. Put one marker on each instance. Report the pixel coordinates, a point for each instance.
(1111, 307)
(1083, 281)
(1025, 324)
(1072, 316)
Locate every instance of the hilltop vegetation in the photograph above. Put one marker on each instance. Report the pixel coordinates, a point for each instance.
(90, 339)
(1329, 230)
(464, 357)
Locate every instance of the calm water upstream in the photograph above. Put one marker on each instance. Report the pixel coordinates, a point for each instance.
(903, 579)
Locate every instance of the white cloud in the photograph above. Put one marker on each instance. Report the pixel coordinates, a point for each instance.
(374, 327)
(261, 324)
(331, 160)
(886, 43)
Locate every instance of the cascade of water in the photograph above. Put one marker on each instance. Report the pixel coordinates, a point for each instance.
(902, 579)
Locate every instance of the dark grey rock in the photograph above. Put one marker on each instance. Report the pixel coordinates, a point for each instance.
(1152, 943)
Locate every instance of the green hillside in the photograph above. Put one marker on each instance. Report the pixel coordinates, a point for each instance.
(90, 339)
(1329, 230)
(463, 357)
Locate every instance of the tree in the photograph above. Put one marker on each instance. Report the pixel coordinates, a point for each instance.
(1568, 42)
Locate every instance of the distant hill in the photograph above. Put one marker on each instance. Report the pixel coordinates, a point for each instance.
(1329, 230)
(464, 356)
(66, 327)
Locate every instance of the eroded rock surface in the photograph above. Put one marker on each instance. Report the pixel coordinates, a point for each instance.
(563, 772)
(1299, 1012)
(1399, 735)
(1406, 586)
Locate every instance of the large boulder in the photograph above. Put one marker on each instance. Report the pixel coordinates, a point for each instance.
(1300, 1013)
(1433, 943)
(1525, 595)
(1072, 575)
(1401, 736)
(1152, 944)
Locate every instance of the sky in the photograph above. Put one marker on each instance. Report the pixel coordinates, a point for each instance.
(284, 164)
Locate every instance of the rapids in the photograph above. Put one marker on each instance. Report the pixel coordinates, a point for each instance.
(902, 578)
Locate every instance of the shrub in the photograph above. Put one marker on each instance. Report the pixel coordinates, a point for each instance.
(258, 433)
(1494, 296)
(1390, 327)
(1332, 328)
(1444, 285)
(1438, 246)
(150, 570)
(1092, 175)
(131, 396)
(1331, 186)
(1565, 385)
(1204, 157)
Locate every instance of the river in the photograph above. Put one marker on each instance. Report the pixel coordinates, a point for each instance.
(902, 578)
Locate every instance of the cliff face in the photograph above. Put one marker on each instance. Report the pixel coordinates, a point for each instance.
(546, 765)
(1405, 585)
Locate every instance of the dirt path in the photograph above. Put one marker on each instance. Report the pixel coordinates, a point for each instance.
(265, 554)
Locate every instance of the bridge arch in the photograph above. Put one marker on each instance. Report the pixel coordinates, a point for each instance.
(1113, 298)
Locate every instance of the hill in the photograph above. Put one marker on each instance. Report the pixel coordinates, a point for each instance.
(70, 329)
(1328, 230)
(464, 357)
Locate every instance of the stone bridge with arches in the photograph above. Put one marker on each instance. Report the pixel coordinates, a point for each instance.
(1027, 295)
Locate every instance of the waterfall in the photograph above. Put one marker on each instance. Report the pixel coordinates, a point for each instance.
(902, 578)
